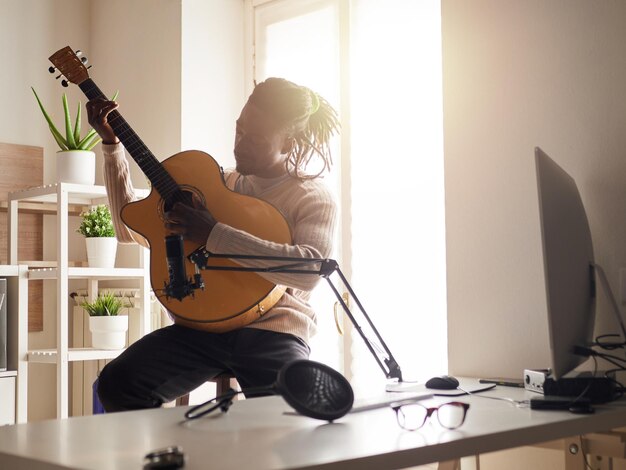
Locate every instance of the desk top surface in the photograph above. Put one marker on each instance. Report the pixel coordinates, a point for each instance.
(263, 433)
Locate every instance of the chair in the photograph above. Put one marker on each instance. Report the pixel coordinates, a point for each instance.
(223, 382)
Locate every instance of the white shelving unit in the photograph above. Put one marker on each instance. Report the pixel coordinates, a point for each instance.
(59, 197)
(17, 334)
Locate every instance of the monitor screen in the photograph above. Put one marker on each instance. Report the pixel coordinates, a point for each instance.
(568, 264)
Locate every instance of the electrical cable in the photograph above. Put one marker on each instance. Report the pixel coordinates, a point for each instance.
(607, 356)
(586, 389)
(620, 367)
(582, 450)
(608, 346)
(620, 390)
(613, 360)
(517, 403)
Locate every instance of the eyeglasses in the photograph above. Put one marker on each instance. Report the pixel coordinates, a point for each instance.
(412, 416)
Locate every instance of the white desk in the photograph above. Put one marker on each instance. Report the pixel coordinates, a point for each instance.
(256, 434)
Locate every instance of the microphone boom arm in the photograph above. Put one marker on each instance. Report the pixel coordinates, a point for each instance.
(201, 258)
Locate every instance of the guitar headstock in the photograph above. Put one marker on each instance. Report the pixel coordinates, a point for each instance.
(70, 65)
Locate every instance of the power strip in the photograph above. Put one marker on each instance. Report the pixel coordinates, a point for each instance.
(598, 389)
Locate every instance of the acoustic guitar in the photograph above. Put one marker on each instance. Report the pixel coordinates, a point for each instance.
(230, 299)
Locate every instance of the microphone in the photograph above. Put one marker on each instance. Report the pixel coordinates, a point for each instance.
(179, 286)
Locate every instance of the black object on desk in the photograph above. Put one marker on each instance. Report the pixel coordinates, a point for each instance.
(168, 458)
(578, 405)
(519, 383)
(443, 382)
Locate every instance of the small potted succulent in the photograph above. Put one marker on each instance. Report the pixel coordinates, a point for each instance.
(97, 228)
(108, 328)
(76, 162)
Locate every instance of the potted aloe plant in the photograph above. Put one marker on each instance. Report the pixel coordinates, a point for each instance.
(97, 227)
(76, 162)
(108, 328)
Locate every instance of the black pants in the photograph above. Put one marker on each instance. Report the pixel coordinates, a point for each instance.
(174, 360)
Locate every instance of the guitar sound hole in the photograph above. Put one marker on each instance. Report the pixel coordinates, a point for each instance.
(185, 195)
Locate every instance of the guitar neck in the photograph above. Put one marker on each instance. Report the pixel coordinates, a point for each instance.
(160, 179)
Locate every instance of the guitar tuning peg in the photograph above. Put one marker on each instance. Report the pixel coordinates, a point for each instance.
(64, 83)
(58, 76)
(79, 52)
(89, 67)
(51, 69)
(83, 60)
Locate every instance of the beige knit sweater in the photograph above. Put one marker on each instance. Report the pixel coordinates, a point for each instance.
(308, 208)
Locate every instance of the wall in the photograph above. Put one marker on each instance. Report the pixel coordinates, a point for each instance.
(137, 50)
(519, 75)
(213, 88)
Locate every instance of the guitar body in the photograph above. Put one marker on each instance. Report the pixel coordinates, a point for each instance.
(230, 299)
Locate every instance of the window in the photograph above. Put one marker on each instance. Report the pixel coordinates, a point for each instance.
(379, 63)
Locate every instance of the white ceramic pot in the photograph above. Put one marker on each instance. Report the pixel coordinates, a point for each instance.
(101, 251)
(108, 332)
(76, 166)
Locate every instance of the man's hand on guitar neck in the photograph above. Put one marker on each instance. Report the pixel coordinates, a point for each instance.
(97, 115)
(193, 223)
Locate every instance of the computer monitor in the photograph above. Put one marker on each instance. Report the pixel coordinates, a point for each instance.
(568, 264)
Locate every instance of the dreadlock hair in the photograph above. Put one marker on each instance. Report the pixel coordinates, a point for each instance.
(308, 118)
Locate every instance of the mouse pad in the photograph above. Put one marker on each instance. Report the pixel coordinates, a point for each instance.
(465, 386)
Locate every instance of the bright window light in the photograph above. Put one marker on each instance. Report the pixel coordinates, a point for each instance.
(396, 244)
(398, 218)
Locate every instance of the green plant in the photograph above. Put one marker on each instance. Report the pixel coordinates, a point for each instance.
(72, 139)
(105, 305)
(97, 222)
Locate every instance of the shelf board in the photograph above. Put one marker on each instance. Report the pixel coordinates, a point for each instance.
(49, 356)
(8, 373)
(88, 273)
(43, 208)
(37, 264)
(77, 193)
(8, 270)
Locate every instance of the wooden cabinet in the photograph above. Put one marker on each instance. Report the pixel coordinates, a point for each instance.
(62, 199)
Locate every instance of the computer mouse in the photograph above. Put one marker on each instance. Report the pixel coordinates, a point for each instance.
(443, 382)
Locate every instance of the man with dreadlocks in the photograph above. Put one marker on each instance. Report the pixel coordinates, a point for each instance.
(282, 127)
